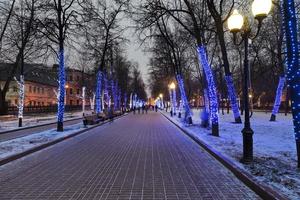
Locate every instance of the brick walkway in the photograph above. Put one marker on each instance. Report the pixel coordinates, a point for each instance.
(136, 157)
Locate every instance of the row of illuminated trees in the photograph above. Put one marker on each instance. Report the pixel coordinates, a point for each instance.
(187, 33)
(86, 34)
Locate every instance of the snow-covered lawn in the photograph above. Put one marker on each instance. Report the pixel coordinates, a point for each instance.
(33, 120)
(16, 146)
(274, 148)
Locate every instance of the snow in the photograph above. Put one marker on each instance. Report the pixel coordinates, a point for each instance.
(19, 145)
(11, 122)
(275, 161)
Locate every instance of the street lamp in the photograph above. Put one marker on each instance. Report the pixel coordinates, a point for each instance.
(237, 23)
(172, 88)
(66, 87)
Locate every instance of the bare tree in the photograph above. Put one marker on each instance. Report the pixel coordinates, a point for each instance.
(57, 24)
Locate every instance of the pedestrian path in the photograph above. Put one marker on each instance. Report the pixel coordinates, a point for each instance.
(135, 157)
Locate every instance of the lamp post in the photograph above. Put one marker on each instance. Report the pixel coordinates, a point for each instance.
(66, 88)
(237, 23)
(172, 88)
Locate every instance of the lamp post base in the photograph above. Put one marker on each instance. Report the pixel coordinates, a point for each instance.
(60, 127)
(247, 145)
(20, 122)
(298, 151)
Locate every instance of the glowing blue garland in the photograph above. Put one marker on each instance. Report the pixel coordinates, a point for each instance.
(106, 95)
(212, 91)
(185, 102)
(125, 100)
(99, 92)
(232, 97)
(278, 95)
(174, 101)
(61, 87)
(292, 61)
(119, 98)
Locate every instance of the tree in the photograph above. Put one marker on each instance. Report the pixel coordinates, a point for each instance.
(193, 17)
(3, 90)
(219, 20)
(58, 21)
(293, 76)
(102, 17)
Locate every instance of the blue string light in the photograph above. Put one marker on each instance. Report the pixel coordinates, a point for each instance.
(212, 91)
(185, 102)
(99, 92)
(278, 95)
(292, 61)
(232, 97)
(174, 101)
(61, 87)
(106, 95)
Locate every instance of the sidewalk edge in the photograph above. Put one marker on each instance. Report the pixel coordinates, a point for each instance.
(264, 191)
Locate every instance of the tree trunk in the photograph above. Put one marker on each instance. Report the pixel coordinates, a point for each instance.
(277, 102)
(292, 61)
(212, 91)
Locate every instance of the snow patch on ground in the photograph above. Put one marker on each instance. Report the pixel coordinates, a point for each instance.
(274, 148)
(19, 145)
(33, 120)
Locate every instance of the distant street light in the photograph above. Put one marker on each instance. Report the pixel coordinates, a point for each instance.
(172, 88)
(237, 23)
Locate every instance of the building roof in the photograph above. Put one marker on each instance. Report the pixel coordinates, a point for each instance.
(37, 73)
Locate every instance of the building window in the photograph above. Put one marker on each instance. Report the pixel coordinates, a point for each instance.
(42, 90)
(71, 78)
(77, 78)
(15, 89)
(16, 101)
(30, 89)
(34, 89)
(38, 90)
(30, 104)
(71, 102)
(71, 91)
(78, 91)
(78, 102)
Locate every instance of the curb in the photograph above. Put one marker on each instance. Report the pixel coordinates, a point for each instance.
(43, 146)
(36, 126)
(262, 190)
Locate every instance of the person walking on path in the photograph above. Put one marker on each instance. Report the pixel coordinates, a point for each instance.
(146, 109)
(155, 108)
(134, 110)
(143, 108)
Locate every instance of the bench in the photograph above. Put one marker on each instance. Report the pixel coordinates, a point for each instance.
(91, 119)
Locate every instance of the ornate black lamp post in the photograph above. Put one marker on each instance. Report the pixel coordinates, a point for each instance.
(237, 23)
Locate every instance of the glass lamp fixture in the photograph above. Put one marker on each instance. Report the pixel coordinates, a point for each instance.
(235, 22)
(261, 8)
(172, 86)
(161, 95)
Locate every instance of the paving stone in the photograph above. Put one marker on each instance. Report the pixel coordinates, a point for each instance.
(135, 157)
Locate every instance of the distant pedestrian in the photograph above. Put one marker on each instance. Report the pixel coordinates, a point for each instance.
(139, 110)
(156, 107)
(146, 109)
(134, 110)
(143, 108)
